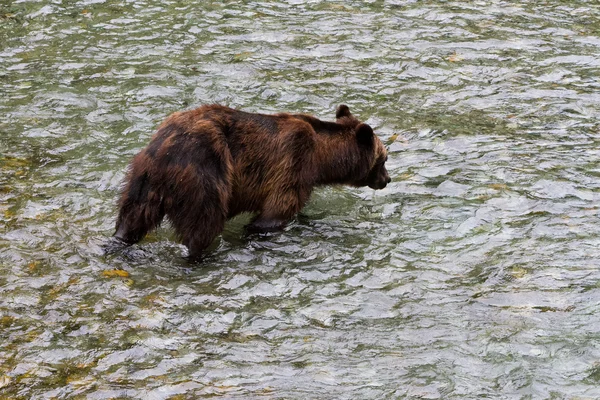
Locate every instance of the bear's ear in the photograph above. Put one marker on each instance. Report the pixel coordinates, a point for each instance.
(342, 111)
(364, 134)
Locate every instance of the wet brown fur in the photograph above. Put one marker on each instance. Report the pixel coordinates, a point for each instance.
(209, 164)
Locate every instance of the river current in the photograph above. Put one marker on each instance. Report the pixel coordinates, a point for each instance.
(473, 275)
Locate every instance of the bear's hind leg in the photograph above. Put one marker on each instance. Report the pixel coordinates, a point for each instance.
(200, 212)
(202, 238)
(141, 210)
(198, 231)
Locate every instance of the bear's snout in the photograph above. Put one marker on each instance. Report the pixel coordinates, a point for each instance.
(382, 180)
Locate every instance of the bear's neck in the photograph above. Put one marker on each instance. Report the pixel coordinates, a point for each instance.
(340, 161)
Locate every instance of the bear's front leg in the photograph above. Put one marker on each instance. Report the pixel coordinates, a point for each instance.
(278, 210)
(264, 224)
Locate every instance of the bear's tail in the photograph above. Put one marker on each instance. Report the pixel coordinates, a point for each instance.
(140, 209)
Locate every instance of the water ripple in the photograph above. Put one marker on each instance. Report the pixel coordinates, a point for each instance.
(472, 275)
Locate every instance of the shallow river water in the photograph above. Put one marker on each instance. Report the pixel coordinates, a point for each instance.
(473, 275)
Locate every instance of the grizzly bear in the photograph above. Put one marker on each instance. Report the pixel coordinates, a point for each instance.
(206, 165)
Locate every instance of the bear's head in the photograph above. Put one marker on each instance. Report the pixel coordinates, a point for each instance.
(376, 176)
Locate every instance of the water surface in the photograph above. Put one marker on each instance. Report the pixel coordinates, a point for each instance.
(473, 275)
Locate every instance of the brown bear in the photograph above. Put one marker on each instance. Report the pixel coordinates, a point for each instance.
(206, 165)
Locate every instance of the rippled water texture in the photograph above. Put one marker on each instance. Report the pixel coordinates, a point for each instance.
(473, 275)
